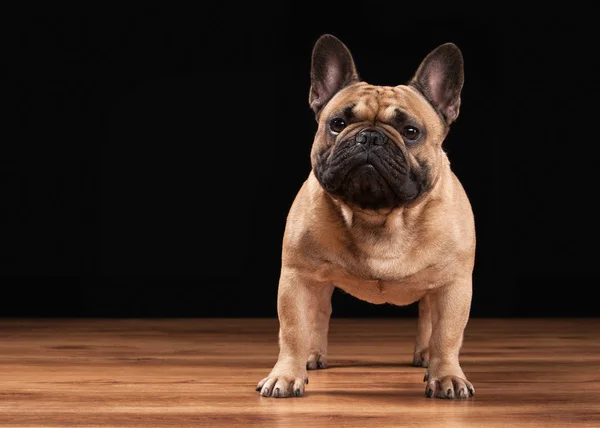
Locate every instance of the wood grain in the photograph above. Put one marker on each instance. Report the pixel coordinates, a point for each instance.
(202, 372)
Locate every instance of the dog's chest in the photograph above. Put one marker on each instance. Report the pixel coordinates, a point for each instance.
(382, 281)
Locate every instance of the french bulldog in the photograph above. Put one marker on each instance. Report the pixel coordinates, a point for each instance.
(381, 216)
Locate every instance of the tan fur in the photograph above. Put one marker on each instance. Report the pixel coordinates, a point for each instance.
(419, 252)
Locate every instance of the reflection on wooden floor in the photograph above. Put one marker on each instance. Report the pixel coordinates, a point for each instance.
(202, 372)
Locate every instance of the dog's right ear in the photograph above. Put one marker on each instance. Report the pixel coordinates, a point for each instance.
(332, 69)
(440, 79)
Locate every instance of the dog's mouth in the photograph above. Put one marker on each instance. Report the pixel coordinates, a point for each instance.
(369, 177)
(366, 187)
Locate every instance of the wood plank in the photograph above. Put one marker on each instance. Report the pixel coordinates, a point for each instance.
(202, 372)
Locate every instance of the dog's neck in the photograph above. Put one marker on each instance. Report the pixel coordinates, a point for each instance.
(388, 219)
(356, 217)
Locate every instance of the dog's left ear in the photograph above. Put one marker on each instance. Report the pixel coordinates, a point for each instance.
(440, 79)
(332, 69)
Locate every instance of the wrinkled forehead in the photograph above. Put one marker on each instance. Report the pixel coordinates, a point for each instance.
(382, 103)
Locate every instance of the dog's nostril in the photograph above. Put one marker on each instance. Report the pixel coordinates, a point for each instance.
(370, 137)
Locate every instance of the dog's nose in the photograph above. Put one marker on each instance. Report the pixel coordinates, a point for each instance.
(370, 136)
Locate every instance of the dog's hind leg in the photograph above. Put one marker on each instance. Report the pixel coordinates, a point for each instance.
(421, 353)
(317, 359)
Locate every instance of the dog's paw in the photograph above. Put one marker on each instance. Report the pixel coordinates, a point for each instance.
(452, 387)
(282, 386)
(421, 358)
(316, 361)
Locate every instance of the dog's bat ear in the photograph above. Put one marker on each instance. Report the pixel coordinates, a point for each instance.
(440, 79)
(332, 69)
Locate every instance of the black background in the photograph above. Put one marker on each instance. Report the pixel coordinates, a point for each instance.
(149, 157)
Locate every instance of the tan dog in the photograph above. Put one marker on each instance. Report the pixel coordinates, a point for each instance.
(381, 216)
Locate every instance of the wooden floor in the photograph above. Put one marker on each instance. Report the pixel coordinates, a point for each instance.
(202, 372)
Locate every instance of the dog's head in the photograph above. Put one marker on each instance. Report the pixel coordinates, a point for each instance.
(380, 147)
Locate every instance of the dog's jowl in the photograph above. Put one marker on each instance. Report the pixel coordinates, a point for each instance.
(381, 216)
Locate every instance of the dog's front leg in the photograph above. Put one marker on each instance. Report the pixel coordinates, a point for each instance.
(303, 307)
(449, 308)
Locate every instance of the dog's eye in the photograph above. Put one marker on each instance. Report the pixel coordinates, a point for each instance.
(410, 132)
(337, 125)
